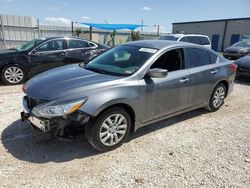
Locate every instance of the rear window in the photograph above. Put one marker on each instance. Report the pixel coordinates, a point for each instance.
(170, 37)
(204, 41)
(195, 40)
(196, 57)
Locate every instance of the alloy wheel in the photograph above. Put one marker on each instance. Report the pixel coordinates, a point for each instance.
(113, 129)
(14, 75)
(219, 96)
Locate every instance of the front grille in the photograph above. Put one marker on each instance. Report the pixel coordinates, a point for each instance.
(32, 102)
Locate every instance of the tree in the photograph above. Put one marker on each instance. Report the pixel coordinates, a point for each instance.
(112, 36)
(78, 31)
(134, 35)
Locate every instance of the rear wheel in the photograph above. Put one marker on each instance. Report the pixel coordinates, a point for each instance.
(217, 97)
(13, 74)
(109, 129)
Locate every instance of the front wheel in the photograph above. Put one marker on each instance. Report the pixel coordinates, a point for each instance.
(217, 97)
(13, 74)
(109, 129)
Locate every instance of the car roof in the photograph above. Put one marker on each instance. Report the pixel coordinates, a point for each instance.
(49, 38)
(181, 35)
(158, 44)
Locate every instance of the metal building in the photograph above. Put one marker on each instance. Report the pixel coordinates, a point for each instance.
(222, 33)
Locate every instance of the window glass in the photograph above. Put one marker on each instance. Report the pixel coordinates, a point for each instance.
(121, 60)
(196, 57)
(77, 44)
(171, 60)
(213, 57)
(204, 41)
(184, 39)
(168, 37)
(195, 40)
(51, 45)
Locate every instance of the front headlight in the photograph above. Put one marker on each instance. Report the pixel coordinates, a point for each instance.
(54, 109)
(244, 51)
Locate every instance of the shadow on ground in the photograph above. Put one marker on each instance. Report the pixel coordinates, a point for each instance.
(242, 81)
(20, 141)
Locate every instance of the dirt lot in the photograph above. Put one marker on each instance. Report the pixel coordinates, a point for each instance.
(197, 149)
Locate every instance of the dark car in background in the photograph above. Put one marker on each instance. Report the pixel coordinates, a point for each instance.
(39, 55)
(237, 50)
(243, 66)
(125, 88)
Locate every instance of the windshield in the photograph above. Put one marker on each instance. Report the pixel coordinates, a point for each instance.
(121, 60)
(242, 44)
(29, 45)
(169, 37)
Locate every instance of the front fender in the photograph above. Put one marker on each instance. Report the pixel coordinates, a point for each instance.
(101, 100)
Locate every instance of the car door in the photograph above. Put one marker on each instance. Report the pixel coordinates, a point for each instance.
(163, 96)
(203, 74)
(79, 50)
(49, 55)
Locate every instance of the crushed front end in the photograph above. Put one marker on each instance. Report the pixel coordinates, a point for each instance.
(57, 117)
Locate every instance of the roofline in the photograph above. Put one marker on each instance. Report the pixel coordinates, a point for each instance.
(220, 20)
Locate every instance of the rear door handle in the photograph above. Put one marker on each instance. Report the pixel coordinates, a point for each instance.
(184, 80)
(214, 71)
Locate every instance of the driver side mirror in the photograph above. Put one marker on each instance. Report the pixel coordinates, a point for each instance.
(157, 73)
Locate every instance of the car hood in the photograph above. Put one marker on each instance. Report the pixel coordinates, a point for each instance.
(235, 49)
(244, 61)
(8, 53)
(70, 81)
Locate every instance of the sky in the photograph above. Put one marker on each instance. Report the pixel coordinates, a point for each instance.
(153, 12)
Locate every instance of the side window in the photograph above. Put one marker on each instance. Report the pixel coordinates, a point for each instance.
(195, 40)
(196, 57)
(213, 57)
(51, 46)
(184, 39)
(77, 44)
(204, 41)
(171, 60)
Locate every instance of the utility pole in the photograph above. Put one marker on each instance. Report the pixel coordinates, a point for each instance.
(72, 28)
(158, 29)
(2, 28)
(90, 32)
(142, 25)
(38, 28)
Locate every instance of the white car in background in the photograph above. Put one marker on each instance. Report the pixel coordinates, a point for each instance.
(192, 38)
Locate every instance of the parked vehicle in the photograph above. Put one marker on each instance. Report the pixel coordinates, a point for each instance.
(243, 66)
(36, 56)
(127, 87)
(192, 38)
(238, 50)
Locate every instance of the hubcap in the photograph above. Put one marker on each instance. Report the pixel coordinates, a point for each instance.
(113, 129)
(219, 96)
(13, 75)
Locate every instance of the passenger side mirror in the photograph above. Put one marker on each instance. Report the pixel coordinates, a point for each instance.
(157, 73)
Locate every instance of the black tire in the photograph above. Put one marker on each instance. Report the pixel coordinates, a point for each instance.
(18, 67)
(212, 107)
(94, 128)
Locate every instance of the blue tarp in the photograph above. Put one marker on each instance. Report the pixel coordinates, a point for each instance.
(113, 26)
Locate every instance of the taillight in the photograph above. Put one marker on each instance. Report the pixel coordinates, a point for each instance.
(233, 67)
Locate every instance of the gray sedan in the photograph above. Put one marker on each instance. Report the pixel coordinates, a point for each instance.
(125, 88)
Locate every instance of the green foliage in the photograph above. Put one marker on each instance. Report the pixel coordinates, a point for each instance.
(112, 36)
(134, 35)
(78, 31)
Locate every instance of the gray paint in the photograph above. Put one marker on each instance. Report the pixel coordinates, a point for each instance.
(152, 99)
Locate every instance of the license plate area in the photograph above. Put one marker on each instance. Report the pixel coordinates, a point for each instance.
(41, 124)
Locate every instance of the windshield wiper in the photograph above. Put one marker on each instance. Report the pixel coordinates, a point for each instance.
(96, 70)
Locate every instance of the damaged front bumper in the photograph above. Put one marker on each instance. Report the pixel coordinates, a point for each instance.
(57, 125)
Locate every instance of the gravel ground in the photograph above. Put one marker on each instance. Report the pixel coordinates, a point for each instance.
(197, 149)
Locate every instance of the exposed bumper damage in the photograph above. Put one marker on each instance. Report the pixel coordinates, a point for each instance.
(62, 126)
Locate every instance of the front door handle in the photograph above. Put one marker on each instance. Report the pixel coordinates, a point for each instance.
(184, 80)
(214, 71)
(62, 54)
